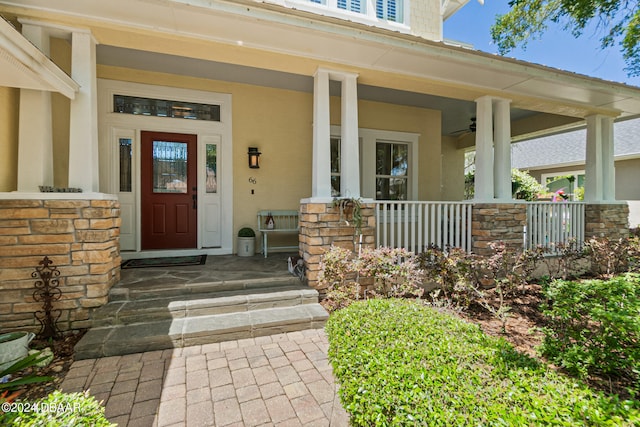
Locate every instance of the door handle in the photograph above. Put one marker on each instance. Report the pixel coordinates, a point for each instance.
(194, 197)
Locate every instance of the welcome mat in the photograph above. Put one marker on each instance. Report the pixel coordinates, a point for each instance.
(174, 261)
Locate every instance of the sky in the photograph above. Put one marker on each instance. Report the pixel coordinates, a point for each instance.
(557, 48)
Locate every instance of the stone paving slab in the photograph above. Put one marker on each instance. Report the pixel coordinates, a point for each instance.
(276, 380)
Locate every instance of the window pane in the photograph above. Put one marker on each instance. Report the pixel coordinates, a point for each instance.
(383, 158)
(169, 167)
(335, 186)
(391, 189)
(335, 155)
(212, 168)
(125, 165)
(165, 108)
(400, 155)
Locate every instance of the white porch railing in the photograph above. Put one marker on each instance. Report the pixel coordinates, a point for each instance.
(554, 222)
(414, 225)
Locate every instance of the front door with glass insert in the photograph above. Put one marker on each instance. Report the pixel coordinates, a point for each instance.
(169, 191)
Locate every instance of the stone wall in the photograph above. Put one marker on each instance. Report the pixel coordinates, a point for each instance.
(606, 220)
(80, 237)
(493, 222)
(322, 225)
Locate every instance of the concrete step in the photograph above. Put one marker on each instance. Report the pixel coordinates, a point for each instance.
(195, 330)
(162, 288)
(164, 307)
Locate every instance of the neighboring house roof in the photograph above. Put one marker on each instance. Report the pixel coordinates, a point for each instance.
(569, 148)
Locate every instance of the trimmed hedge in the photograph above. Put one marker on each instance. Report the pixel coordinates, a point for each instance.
(400, 363)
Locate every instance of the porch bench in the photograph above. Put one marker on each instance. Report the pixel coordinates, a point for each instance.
(283, 222)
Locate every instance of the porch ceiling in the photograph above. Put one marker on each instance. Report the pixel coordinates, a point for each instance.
(268, 36)
(24, 66)
(456, 113)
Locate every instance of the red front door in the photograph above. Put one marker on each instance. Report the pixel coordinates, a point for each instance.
(169, 190)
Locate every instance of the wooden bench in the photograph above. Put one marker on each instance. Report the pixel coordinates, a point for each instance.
(283, 222)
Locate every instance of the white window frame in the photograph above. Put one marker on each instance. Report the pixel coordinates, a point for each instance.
(368, 139)
(366, 16)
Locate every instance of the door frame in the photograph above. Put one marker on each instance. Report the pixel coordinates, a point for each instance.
(116, 125)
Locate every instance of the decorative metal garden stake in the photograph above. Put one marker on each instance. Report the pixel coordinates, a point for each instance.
(47, 292)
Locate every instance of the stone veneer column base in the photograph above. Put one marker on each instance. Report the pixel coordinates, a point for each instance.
(321, 226)
(497, 222)
(606, 220)
(81, 238)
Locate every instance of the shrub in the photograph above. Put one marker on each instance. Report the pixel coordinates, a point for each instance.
(608, 256)
(392, 273)
(400, 363)
(594, 326)
(60, 409)
(464, 278)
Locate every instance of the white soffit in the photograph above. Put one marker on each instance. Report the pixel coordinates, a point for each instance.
(24, 66)
(276, 29)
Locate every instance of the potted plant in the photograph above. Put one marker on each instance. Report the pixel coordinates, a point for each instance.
(246, 242)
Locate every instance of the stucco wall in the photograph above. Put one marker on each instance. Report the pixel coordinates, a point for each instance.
(9, 113)
(627, 179)
(452, 170)
(279, 123)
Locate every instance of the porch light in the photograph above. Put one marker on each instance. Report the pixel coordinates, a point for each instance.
(254, 158)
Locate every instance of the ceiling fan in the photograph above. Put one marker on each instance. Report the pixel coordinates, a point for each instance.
(470, 129)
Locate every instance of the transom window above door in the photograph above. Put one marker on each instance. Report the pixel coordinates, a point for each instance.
(165, 108)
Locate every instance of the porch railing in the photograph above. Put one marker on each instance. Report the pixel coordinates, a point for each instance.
(414, 225)
(554, 222)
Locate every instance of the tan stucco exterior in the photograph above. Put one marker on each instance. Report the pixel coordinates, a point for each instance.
(9, 99)
(279, 123)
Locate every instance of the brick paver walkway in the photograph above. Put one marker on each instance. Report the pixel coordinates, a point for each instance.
(278, 380)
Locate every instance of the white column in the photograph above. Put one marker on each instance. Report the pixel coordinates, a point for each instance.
(483, 187)
(350, 149)
(593, 168)
(83, 126)
(35, 135)
(502, 150)
(608, 168)
(321, 161)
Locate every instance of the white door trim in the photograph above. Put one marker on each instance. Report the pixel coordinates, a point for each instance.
(113, 125)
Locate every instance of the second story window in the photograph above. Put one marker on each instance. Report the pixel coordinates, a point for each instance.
(351, 5)
(391, 10)
(385, 10)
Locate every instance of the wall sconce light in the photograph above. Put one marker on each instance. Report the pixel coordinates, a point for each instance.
(254, 158)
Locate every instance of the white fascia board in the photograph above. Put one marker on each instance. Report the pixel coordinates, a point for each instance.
(26, 67)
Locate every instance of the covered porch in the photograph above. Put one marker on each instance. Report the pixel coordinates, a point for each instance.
(322, 99)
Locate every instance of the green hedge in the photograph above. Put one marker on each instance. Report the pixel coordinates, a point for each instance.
(400, 363)
(594, 326)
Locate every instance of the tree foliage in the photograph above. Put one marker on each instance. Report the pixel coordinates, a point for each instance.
(618, 23)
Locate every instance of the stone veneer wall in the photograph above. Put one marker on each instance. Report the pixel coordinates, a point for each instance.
(493, 222)
(321, 226)
(606, 220)
(80, 236)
